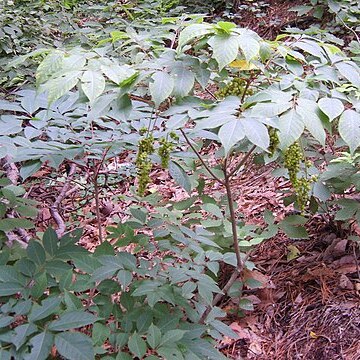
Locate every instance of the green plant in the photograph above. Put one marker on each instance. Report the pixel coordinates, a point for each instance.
(111, 297)
(134, 89)
(14, 208)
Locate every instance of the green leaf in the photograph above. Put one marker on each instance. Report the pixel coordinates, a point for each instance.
(172, 336)
(100, 333)
(180, 176)
(74, 346)
(183, 81)
(10, 288)
(36, 252)
(224, 329)
(123, 356)
(256, 132)
(137, 345)
(349, 129)
(349, 71)
(249, 46)
(225, 26)
(10, 274)
(213, 209)
(28, 211)
(204, 350)
(193, 31)
(6, 321)
(11, 224)
(50, 65)
(231, 133)
(48, 307)
(125, 277)
(309, 112)
(118, 74)
(50, 241)
(293, 252)
(29, 168)
(291, 127)
(41, 283)
(331, 107)
(162, 87)
(5, 355)
(93, 84)
(170, 353)
(139, 214)
(72, 320)
(21, 333)
(105, 272)
(72, 302)
(246, 304)
(292, 226)
(225, 49)
(86, 263)
(261, 110)
(153, 337)
(66, 280)
(62, 85)
(41, 345)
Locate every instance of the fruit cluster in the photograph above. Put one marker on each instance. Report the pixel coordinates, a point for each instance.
(143, 163)
(146, 148)
(235, 87)
(293, 157)
(165, 149)
(274, 140)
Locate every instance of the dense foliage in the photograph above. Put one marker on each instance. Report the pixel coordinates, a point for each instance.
(85, 83)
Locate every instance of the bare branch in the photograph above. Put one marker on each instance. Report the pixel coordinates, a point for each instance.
(201, 159)
(54, 209)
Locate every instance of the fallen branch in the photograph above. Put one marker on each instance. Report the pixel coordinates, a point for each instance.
(12, 172)
(54, 209)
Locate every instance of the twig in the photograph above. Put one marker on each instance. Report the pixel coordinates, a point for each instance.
(356, 260)
(201, 159)
(230, 200)
(248, 82)
(211, 94)
(219, 296)
(24, 236)
(349, 28)
(54, 209)
(12, 172)
(234, 276)
(242, 161)
(97, 193)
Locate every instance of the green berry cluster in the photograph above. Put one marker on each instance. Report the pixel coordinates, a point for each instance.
(274, 140)
(235, 87)
(146, 148)
(143, 163)
(166, 147)
(293, 157)
(164, 151)
(302, 188)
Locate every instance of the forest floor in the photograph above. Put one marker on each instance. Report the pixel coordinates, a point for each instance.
(308, 306)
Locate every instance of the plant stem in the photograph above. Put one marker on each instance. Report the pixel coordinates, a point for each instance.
(201, 159)
(240, 263)
(230, 200)
(97, 193)
(242, 161)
